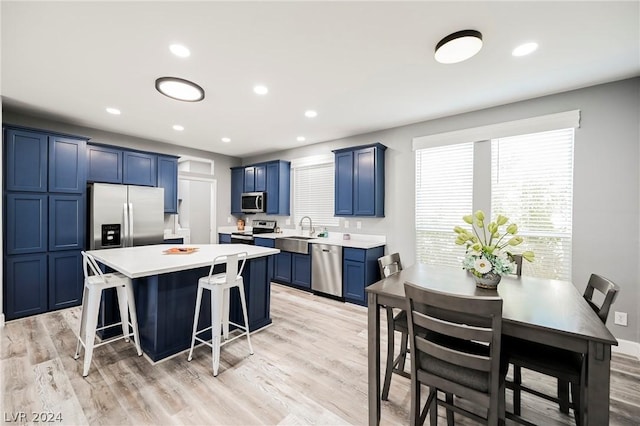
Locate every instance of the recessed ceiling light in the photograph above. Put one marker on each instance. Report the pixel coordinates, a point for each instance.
(225, 140)
(114, 111)
(180, 50)
(458, 47)
(180, 89)
(301, 139)
(310, 113)
(178, 127)
(260, 90)
(525, 49)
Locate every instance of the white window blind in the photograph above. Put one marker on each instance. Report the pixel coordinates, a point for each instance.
(532, 184)
(444, 193)
(313, 194)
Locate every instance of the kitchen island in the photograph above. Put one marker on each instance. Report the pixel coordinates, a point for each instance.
(165, 287)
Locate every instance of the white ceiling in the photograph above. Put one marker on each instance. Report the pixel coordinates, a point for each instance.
(364, 66)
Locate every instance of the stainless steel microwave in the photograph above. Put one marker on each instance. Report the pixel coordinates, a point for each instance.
(253, 202)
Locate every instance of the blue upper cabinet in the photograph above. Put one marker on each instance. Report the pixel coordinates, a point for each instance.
(249, 179)
(237, 188)
(359, 181)
(26, 160)
(67, 165)
(26, 223)
(168, 179)
(66, 222)
(139, 168)
(260, 178)
(278, 184)
(104, 164)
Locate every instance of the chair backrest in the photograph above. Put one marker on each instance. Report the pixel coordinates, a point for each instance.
(460, 330)
(517, 259)
(609, 291)
(89, 265)
(233, 272)
(389, 264)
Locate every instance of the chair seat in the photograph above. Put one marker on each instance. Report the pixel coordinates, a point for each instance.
(400, 322)
(467, 377)
(113, 279)
(544, 359)
(217, 279)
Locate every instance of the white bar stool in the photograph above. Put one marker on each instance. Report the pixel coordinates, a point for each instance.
(94, 283)
(219, 285)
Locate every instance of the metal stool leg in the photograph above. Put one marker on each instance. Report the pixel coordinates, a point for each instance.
(196, 316)
(244, 314)
(93, 307)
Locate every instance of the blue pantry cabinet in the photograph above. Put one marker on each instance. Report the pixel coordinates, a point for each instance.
(26, 223)
(66, 222)
(168, 179)
(25, 285)
(66, 279)
(25, 160)
(67, 163)
(359, 181)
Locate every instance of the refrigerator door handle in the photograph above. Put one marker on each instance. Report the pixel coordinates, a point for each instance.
(130, 224)
(125, 220)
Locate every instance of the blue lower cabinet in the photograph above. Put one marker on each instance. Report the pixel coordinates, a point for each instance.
(360, 269)
(282, 267)
(66, 222)
(301, 270)
(25, 285)
(66, 279)
(224, 238)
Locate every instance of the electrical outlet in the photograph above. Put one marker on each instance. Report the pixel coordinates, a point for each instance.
(346, 223)
(620, 318)
(359, 225)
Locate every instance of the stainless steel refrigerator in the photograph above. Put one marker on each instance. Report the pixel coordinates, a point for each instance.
(125, 215)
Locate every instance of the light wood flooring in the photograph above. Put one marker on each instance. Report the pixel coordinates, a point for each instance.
(309, 367)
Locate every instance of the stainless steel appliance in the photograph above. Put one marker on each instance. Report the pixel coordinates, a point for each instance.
(258, 227)
(253, 202)
(326, 269)
(125, 215)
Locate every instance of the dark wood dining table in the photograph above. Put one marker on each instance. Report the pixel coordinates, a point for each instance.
(540, 310)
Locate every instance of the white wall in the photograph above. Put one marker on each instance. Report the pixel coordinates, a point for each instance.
(606, 182)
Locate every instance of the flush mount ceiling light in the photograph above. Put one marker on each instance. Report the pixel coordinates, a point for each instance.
(180, 89)
(180, 50)
(301, 139)
(226, 140)
(260, 90)
(458, 47)
(114, 111)
(178, 127)
(310, 113)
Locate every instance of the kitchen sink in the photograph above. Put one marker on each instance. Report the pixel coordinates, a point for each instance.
(294, 244)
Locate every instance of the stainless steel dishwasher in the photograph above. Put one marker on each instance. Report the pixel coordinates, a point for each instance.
(326, 269)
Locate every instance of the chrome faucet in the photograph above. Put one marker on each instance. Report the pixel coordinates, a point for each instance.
(311, 230)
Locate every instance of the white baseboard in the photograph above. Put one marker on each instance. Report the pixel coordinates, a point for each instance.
(1, 320)
(627, 347)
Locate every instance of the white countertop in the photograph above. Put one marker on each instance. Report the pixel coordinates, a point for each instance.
(142, 261)
(362, 241)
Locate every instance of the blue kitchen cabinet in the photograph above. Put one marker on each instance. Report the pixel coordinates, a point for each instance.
(224, 238)
(301, 270)
(168, 179)
(66, 279)
(282, 267)
(359, 181)
(104, 164)
(260, 178)
(173, 241)
(26, 223)
(26, 160)
(66, 222)
(249, 179)
(267, 242)
(67, 165)
(278, 184)
(237, 188)
(25, 285)
(139, 168)
(359, 269)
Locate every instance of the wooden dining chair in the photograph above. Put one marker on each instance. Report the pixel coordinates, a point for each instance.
(567, 366)
(456, 350)
(389, 265)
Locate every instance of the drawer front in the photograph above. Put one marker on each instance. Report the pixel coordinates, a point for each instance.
(357, 255)
(264, 242)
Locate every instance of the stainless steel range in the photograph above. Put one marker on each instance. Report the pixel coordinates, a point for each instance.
(258, 227)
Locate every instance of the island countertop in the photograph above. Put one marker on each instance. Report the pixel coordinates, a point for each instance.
(143, 261)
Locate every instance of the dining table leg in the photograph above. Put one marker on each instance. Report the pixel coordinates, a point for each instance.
(598, 383)
(373, 357)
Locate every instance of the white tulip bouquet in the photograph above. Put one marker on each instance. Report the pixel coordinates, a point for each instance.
(488, 246)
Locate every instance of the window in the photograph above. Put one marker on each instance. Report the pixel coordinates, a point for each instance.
(529, 178)
(444, 193)
(313, 193)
